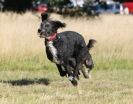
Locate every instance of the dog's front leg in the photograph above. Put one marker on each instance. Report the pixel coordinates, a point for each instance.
(61, 70)
(71, 75)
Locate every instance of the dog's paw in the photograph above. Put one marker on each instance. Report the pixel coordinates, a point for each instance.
(74, 82)
(63, 73)
(86, 76)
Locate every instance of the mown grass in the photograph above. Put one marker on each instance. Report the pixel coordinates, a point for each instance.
(46, 87)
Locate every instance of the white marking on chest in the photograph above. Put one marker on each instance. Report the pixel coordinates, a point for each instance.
(53, 51)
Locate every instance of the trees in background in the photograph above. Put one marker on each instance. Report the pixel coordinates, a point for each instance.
(64, 7)
(16, 5)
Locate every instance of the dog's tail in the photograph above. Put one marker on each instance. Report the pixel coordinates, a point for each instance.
(91, 43)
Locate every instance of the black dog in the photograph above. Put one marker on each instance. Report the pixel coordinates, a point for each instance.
(67, 50)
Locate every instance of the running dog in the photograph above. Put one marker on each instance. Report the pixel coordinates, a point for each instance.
(67, 49)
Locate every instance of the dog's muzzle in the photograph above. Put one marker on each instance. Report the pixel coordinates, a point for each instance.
(41, 34)
(39, 30)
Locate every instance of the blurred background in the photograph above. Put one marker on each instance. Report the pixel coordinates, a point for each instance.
(69, 7)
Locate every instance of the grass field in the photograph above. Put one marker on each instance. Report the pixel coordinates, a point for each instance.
(27, 77)
(45, 87)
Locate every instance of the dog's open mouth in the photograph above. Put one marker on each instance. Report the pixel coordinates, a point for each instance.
(51, 37)
(41, 35)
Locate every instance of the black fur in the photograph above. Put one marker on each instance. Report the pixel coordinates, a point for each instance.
(72, 51)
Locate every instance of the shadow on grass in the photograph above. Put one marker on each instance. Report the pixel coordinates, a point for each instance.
(24, 82)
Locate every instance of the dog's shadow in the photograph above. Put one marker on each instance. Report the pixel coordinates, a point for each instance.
(25, 82)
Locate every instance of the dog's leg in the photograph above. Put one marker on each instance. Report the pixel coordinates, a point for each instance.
(72, 63)
(77, 69)
(71, 75)
(89, 64)
(85, 74)
(61, 70)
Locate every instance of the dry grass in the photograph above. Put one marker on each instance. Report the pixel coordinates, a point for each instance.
(106, 87)
(19, 34)
(114, 33)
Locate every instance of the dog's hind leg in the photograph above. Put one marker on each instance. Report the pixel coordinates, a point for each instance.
(89, 64)
(85, 74)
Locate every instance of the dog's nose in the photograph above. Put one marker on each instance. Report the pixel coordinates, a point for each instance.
(39, 30)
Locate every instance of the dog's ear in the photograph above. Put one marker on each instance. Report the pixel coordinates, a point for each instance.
(44, 16)
(91, 43)
(59, 24)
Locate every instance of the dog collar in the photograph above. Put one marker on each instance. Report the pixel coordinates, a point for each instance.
(52, 37)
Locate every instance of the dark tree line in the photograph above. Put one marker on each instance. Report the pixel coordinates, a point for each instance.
(21, 6)
(16, 5)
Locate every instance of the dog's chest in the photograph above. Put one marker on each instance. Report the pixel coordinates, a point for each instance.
(53, 52)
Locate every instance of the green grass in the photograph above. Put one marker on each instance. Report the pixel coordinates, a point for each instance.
(31, 87)
(35, 80)
(40, 62)
(113, 63)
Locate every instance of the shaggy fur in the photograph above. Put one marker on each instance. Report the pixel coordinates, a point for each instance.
(67, 50)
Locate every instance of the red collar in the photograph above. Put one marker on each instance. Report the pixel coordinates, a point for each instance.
(52, 37)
